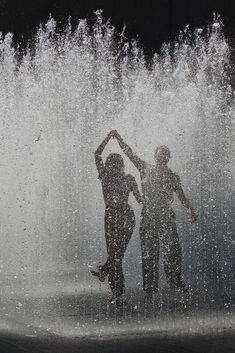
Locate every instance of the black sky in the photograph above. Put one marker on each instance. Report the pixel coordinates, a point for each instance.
(150, 21)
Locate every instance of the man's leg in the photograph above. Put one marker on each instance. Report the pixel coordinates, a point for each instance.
(156, 253)
(172, 253)
(150, 255)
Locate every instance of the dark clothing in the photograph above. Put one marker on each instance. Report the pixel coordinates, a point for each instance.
(158, 185)
(153, 232)
(158, 224)
(119, 225)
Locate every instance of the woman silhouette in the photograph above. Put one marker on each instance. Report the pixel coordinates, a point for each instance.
(119, 217)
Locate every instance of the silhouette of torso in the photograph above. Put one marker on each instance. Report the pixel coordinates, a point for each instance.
(158, 185)
(116, 189)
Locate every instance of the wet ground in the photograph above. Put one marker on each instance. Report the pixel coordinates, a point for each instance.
(80, 319)
(208, 343)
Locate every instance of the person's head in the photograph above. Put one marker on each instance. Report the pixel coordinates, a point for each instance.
(114, 164)
(162, 155)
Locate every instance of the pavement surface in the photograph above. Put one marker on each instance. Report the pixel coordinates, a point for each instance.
(72, 318)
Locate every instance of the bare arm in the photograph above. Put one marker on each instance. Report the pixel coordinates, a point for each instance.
(98, 159)
(138, 162)
(135, 189)
(184, 200)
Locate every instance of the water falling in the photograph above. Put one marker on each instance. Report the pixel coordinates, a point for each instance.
(57, 104)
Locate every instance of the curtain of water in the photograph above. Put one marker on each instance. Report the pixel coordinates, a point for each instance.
(58, 103)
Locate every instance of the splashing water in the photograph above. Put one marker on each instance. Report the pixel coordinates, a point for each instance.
(56, 106)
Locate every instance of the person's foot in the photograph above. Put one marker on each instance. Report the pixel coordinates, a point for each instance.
(99, 274)
(183, 287)
(116, 299)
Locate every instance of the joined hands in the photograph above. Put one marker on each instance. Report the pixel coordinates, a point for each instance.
(113, 134)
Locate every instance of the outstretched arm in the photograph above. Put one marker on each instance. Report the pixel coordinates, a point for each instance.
(98, 159)
(185, 201)
(138, 162)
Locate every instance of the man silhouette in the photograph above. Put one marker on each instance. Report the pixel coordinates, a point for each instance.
(158, 220)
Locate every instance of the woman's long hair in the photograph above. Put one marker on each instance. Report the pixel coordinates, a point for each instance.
(114, 164)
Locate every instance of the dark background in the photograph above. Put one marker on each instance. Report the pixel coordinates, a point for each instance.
(151, 22)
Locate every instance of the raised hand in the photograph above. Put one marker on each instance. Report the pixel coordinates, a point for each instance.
(113, 133)
(110, 135)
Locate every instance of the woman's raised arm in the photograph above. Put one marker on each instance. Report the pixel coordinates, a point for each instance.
(137, 161)
(98, 159)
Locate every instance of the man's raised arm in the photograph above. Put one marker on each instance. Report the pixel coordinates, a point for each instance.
(137, 161)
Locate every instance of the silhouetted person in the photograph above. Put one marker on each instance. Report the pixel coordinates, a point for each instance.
(119, 217)
(158, 220)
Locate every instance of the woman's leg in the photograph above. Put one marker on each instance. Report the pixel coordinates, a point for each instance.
(122, 226)
(111, 267)
(105, 269)
(126, 224)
